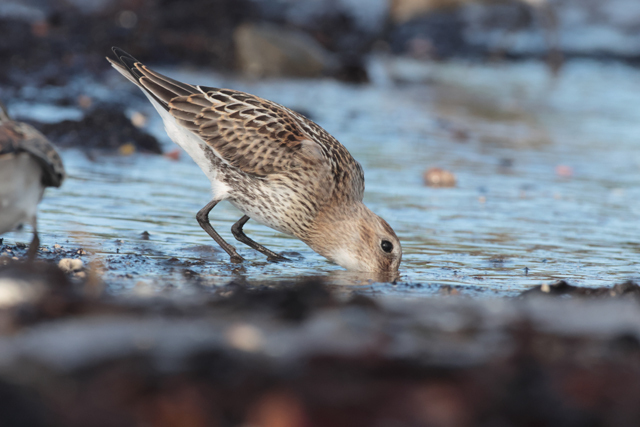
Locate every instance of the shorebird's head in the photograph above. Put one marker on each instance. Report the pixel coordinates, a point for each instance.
(359, 240)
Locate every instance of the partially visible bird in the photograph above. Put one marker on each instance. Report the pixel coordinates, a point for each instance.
(28, 164)
(276, 166)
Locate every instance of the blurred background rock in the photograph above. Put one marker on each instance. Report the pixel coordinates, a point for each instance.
(152, 328)
(54, 39)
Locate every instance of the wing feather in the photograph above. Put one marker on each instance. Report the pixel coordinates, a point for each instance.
(252, 134)
(18, 137)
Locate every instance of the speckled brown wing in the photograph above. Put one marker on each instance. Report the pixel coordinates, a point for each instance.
(247, 132)
(17, 137)
(346, 171)
(252, 134)
(261, 137)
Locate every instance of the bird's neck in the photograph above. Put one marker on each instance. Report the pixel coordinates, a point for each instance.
(333, 226)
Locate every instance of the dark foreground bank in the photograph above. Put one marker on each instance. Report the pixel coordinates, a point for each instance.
(309, 354)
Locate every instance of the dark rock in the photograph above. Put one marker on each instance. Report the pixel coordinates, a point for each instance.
(33, 292)
(184, 34)
(433, 362)
(61, 39)
(271, 51)
(439, 35)
(563, 288)
(290, 354)
(290, 301)
(21, 407)
(103, 127)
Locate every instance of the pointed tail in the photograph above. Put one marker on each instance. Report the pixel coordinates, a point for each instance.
(161, 88)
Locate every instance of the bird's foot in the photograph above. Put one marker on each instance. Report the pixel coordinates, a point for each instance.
(236, 259)
(277, 258)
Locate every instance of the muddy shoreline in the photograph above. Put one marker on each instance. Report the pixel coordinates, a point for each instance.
(519, 303)
(307, 353)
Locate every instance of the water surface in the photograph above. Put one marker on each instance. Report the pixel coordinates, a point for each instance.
(547, 168)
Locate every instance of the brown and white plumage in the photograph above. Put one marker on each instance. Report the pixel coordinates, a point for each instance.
(28, 164)
(273, 164)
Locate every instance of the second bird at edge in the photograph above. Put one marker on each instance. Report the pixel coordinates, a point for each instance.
(274, 165)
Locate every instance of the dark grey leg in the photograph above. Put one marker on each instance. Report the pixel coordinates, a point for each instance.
(241, 237)
(32, 252)
(203, 220)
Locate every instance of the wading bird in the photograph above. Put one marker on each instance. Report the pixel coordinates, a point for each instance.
(274, 165)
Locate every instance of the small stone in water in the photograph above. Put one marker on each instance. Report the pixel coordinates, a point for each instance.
(69, 265)
(437, 177)
(85, 101)
(173, 154)
(127, 149)
(244, 337)
(138, 119)
(564, 171)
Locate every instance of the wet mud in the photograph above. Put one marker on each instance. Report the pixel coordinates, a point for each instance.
(517, 302)
(303, 353)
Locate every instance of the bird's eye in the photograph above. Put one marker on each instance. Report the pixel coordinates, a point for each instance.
(386, 246)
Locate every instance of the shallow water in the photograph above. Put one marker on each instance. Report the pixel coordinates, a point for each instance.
(548, 172)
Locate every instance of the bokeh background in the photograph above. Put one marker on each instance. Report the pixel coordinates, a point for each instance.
(55, 39)
(498, 138)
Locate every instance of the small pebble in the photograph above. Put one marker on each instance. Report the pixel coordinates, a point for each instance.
(245, 337)
(437, 177)
(127, 149)
(564, 171)
(173, 154)
(142, 288)
(85, 102)
(69, 265)
(138, 119)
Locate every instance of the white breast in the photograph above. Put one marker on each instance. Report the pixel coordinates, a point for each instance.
(195, 147)
(20, 190)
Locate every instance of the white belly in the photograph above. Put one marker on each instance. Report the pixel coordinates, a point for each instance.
(20, 190)
(195, 147)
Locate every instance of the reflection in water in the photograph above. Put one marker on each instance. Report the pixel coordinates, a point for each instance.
(510, 223)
